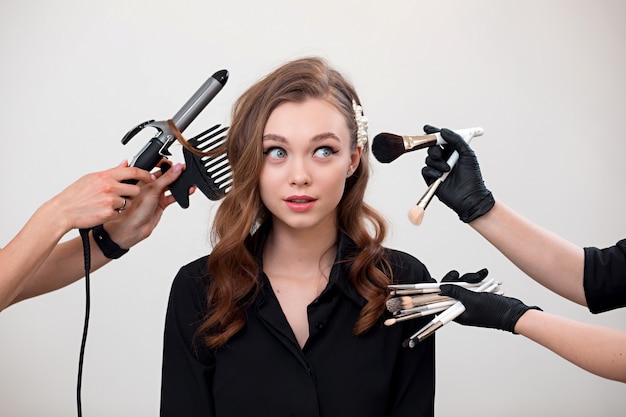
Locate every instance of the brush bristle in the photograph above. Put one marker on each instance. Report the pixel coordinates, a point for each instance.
(390, 322)
(386, 147)
(416, 215)
(394, 304)
(407, 302)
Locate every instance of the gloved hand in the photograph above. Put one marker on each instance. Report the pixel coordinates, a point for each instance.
(463, 190)
(470, 277)
(484, 309)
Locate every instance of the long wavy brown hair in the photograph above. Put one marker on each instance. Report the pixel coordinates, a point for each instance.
(234, 271)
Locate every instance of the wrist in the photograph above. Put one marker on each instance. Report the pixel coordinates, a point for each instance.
(479, 208)
(51, 219)
(525, 319)
(109, 248)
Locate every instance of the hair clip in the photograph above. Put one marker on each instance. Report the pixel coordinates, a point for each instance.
(361, 125)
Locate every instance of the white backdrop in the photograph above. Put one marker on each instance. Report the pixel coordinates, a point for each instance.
(545, 78)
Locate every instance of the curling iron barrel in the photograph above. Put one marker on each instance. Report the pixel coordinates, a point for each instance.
(170, 130)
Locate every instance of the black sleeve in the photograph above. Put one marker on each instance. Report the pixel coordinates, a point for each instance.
(186, 372)
(605, 277)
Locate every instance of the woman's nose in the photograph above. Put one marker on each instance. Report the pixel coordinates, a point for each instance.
(300, 173)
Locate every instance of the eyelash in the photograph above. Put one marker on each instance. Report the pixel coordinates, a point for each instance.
(331, 150)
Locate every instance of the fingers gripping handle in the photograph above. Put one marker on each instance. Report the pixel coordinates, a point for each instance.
(416, 214)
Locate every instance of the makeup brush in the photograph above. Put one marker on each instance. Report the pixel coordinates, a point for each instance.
(422, 313)
(397, 293)
(386, 147)
(433, 289)
(416, 214)
(436, 285)
(409, 300)
(397, 304)
(417, 300)
(425, 307)
(441, 320)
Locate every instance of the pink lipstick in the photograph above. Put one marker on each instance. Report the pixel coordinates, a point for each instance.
(300, 203)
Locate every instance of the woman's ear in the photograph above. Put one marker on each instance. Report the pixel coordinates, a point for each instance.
(355, 160)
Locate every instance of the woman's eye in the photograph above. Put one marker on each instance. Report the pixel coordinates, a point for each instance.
(276, 153)
(324, 152)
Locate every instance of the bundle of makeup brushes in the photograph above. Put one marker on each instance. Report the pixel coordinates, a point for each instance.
(410, 301)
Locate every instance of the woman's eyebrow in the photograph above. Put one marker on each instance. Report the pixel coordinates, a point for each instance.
(316, 138)
(325, 135)
(277, 138)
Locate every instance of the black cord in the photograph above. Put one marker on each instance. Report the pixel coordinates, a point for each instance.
(84, 234)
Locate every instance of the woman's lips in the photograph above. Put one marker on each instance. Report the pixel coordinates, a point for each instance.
(300, 203)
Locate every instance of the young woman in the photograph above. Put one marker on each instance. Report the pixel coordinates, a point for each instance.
(285, 317)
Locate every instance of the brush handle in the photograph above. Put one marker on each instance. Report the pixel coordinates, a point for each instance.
(426, 307)
(441, 320)
(467, 135)
(391, 322)
(424, 299)
(436, 285)
(415, 142)
(430, 192)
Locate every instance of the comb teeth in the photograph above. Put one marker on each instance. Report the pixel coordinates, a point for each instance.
(217, 166)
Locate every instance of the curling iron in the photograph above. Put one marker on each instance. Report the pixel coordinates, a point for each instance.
(170, 130)
(202, 172)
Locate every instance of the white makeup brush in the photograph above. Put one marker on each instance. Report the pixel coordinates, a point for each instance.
(425, 311)
(416, 214)
(434, 285)
(396, 304)
(441, 320)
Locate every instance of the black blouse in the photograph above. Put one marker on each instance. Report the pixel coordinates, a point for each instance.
(605, 277)
(262, 371)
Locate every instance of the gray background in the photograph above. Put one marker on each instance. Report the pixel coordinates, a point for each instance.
(545, 79)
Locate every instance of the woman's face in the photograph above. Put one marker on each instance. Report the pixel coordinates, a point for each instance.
(307, 158)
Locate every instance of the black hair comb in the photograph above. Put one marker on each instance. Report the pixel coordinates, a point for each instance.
(210, 173)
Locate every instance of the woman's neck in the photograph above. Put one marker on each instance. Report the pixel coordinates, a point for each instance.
(302, 250)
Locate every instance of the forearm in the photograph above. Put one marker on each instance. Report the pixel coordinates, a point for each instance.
(599, 350)
(64, 265)
(27, 251)
(34, 263)
(544, 256)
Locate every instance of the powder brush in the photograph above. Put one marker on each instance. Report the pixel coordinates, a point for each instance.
(387, 147)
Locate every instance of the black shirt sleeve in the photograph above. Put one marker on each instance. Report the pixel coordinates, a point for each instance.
(186, 369)
(605, 277)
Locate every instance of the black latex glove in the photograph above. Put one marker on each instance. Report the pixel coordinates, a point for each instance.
(463, 190)
(483, 309)
(471, 277)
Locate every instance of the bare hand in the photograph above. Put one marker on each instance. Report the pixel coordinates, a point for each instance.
(144, 211)
(95, 198)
